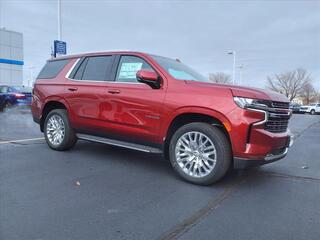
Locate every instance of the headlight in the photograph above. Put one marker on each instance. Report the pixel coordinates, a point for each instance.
(250, 102)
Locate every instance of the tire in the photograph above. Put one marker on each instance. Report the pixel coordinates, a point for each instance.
(200, 170)
(65, 137)
(312, 112)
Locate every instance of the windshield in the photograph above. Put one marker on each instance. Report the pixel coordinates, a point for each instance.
(179, 70)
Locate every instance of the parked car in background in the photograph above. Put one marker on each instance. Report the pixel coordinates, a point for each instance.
(313, 108)
(159, 105)
(295, 107)
(1, 102)
(14, 96)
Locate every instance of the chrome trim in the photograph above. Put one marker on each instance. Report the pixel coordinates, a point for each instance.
(104, 81)
(271, 157)
(71, 69)
(113, 144)
(261, 111)
(118, 143)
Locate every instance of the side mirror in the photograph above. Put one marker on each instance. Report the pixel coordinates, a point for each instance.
(149, 77)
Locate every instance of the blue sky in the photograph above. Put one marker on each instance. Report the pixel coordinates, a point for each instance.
(268, 36)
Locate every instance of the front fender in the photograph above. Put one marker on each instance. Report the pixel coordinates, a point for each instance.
(193, 110)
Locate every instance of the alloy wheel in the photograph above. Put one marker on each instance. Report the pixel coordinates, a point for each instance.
(55, 129)
(196, 154)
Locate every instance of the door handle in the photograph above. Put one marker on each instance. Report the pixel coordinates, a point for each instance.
(114, 91)
(72, 89)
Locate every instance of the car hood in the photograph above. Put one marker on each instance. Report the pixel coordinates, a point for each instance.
(248, 92)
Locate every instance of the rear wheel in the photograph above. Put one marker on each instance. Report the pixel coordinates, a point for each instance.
(200, 153)
(58, 132)
(312, 112)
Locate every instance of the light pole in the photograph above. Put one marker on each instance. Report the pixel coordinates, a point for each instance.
(234, 66)
(59, 20)
(240, 73)
(30, 78)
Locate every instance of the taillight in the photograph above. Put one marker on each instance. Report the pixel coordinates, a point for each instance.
(19, 95)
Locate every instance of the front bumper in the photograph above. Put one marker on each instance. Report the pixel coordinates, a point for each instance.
(241, 163)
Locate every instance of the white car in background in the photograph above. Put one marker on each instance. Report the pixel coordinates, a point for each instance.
(313, 108)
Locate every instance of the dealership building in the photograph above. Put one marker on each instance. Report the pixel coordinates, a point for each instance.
(11, 57)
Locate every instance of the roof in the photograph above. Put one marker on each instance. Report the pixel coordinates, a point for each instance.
(79, 55)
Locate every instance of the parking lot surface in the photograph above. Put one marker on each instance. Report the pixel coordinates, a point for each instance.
(96, 191)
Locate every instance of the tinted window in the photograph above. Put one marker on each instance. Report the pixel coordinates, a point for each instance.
(80, 70)
(97, 68)
(129, 66)
(52, 68)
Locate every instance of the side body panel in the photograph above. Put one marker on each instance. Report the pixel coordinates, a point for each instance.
(139, 113)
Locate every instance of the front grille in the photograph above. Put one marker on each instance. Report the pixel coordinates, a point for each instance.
(278, 119)
(284, 105)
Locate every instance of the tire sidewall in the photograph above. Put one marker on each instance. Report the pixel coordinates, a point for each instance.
(222, 147)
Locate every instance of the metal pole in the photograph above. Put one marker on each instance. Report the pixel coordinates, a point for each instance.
(59, 20)
(234, 67)
(240, 74)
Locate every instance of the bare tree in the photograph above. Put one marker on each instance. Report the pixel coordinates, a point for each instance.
(308, 93)
(289, 83)
(220, 77)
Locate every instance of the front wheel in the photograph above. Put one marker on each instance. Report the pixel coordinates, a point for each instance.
(58, 132)
(312, 112)
(200, 153)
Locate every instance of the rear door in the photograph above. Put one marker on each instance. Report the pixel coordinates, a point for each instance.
(86, 92)
(135, 109)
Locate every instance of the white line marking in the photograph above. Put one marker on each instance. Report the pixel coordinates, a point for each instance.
(21, 140)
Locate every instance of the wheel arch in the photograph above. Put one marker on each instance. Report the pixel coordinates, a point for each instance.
(50, 105)
(195, 115)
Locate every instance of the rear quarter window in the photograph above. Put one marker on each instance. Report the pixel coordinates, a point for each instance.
(52, 69)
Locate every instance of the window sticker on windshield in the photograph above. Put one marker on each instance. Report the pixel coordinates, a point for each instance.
(129, 70)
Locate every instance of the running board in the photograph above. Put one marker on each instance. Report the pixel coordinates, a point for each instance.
(118, 143)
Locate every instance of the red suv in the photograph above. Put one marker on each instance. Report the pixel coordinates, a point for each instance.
(159, 105)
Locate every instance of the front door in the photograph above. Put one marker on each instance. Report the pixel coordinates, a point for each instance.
(136, 108)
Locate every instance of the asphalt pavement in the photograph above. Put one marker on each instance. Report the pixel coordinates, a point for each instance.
(96, 191)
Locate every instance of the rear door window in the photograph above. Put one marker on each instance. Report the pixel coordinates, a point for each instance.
(96, 68)
(52, 69)
(79, 73)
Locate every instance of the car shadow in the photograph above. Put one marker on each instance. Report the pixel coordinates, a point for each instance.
(146, 161)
